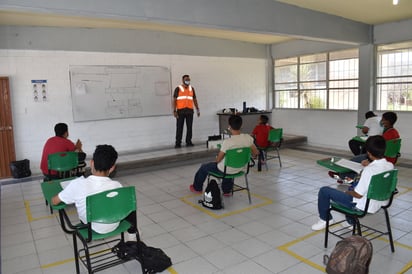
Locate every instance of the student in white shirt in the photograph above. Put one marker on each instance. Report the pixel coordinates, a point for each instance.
(356, 197)
(102, 164)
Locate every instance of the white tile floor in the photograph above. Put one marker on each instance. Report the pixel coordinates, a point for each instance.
(271, 236)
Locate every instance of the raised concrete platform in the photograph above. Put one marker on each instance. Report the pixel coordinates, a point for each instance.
(162, 157)
(147, 160)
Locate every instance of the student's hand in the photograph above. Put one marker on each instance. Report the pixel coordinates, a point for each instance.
(365, 162)
(78, 145)
(198, 113)
(175, 114)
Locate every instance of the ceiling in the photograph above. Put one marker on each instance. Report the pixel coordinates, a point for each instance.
(365, 11)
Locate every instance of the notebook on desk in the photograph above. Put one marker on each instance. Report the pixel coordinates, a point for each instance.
(357, 167)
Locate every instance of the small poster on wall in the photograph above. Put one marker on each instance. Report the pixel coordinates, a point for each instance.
(39, 90)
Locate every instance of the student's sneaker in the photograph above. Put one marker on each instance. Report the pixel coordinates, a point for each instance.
(130, 237)
(228, 194)
(321, 224)
(192, 189)
(334, 175)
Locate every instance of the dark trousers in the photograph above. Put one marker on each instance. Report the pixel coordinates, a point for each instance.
(184, 114)
(201, 175)
(132, 219)
(357, 147)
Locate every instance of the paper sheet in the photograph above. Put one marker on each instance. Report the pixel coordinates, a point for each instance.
(357, 167)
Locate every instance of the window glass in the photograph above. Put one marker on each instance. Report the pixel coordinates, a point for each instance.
(318, 81)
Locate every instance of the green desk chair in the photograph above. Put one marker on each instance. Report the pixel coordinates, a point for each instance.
(275, 139)
(64, 163)
(235, 158)
(105, 207)
(381, 188)
(393, 148)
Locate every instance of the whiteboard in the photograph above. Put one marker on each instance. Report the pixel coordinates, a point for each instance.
(114, 92)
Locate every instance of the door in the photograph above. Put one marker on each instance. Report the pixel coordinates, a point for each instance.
(7, 152)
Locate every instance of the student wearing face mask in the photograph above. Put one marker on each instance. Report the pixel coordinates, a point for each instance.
(184, 101)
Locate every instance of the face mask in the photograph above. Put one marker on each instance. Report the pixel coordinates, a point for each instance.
(187, 83)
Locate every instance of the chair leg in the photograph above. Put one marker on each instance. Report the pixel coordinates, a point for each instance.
(76, 254)
(388, 224)
(247, 189)
(266, 159)
(327, 232)
(358, 226)
(280, 162)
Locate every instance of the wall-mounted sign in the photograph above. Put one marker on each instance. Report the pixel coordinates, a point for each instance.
(39, 90)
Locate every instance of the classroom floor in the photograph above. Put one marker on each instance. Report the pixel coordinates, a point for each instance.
(272, 235)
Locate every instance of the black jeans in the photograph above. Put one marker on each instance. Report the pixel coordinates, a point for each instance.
(357, 147)
(184, 114)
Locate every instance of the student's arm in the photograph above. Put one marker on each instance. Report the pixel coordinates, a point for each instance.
(78, 146)
(365, 130)
(354, 194)
(255, 151)
(56, 200)
(220, 156)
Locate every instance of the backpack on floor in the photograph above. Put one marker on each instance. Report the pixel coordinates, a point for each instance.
(152, 259)
(350, 255)
(212, 197)
(20, 169)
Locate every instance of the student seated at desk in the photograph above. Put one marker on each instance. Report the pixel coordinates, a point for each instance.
(102, 164)
(60, 143)
(355, 197)
(261, 134)
(389, 133)
(237, 140)
(372, 126)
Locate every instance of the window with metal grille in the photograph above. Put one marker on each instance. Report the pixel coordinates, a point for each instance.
(317, 81)
(394, 77)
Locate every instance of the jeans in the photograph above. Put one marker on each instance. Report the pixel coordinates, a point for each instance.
(326, 195)
(201, 174)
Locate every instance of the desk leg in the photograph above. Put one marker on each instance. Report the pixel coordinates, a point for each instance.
(64, 219)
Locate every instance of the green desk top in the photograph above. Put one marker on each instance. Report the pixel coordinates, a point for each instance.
(332, 165)
(360, 138)
(50, 189)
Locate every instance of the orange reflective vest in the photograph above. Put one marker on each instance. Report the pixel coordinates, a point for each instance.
(184, 97)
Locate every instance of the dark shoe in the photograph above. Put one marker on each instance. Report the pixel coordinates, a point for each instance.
(334, 175)
(189, 144)
(178, 146)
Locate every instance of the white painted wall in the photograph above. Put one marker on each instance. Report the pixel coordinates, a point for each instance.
(333, 129)
(220, 82)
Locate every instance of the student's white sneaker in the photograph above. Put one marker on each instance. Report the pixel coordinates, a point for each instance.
(321, 224)
(130, 237)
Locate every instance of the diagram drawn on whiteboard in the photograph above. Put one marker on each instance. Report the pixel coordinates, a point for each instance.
(113, 92)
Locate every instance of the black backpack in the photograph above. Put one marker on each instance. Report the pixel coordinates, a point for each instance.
(211, 197)
(350, 255)
(20, 169)
(152, 259)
